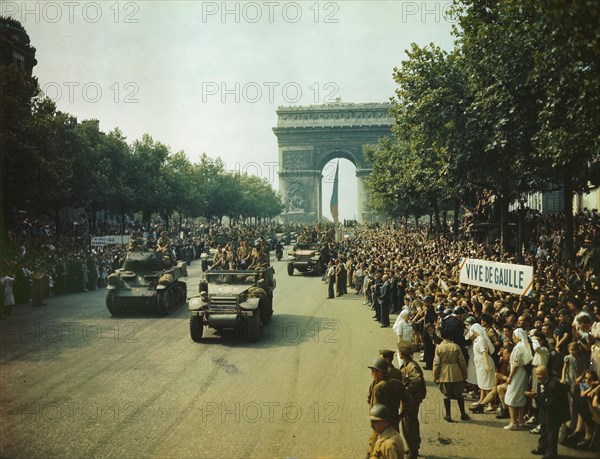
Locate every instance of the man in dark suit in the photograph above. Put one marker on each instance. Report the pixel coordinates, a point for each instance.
(385, 300)
(553, 408)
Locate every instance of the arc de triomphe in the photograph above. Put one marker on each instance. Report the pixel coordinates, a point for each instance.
(309, 137)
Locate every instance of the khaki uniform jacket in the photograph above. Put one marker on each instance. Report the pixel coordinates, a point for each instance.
(391, 393)
(243, 253)
(388, 445)
(394, 373)
(413, 380)
(449, 363)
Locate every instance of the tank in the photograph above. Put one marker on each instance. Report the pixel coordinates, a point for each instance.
(147, 279)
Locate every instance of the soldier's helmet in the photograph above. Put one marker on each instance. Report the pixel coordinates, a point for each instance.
(380, 412)
(439, 309)
(379, 364)
(470, 320)
(458, 310)
(447, 312)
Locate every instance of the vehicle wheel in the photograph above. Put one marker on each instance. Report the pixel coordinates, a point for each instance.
(266, 310)
(166, 301)
(182, 293)
(196, 328)
(290, 269)
(253, 328)
(111, 304)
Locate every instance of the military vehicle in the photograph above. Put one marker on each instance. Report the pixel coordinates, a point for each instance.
(234, 300)
(306, 257)
(146, 279)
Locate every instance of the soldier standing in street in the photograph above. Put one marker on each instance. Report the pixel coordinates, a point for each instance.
(37, 277)
(387, 444)
(340, 278)
(387, 391)
(413, 380)
(331, 280)
(388, 356)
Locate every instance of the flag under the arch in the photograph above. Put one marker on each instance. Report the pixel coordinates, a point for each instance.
(333, 205)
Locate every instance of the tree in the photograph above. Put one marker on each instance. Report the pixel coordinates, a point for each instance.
(498, 55)
(567, 73)
(148, 179)
(18, 91)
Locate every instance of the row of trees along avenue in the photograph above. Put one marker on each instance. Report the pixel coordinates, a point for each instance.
(514, 108)
(51, 162)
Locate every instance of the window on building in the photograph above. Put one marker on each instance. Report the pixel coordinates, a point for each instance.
(19, 60)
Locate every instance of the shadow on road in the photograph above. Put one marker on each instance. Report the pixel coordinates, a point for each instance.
(283, 330)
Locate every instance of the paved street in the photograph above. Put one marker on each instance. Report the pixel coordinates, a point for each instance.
(78, 383)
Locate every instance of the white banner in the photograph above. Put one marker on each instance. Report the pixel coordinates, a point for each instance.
(497, 276)
(101, 241)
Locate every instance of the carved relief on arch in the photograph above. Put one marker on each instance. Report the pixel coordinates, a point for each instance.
(296, 160)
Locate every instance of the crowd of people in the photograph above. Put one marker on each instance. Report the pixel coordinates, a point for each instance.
(533, 360)
(518, 357)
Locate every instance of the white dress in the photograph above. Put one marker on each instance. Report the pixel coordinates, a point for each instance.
(485, 379)
(515, 393)
(471, 371)
(9, 296)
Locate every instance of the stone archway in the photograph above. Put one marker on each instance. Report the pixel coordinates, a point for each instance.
(309, 137)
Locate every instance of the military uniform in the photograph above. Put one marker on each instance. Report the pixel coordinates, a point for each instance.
(388, 445)
(390, 392)
(135, 244)
(163, 244)
(413, 380)
(394, 373)
(262, 261)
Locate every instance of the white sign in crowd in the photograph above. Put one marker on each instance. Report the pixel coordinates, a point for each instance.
(505, 277)
(101, 241)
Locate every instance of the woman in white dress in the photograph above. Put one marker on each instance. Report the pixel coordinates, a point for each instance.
(517, 379)
(472, 373)
(403, 328)
(483, 363)
(9, 296)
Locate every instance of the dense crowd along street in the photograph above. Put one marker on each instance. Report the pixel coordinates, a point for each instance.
(242, 230)
(493, 348)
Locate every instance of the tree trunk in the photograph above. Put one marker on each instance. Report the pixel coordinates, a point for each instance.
(93, 223)
(568, 252)
(456, 221)
(436, 214)
(122, 222)
(57, 219)
(504, 201)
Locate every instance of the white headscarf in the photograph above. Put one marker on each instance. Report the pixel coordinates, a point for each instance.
(481, 333)
(523, 345)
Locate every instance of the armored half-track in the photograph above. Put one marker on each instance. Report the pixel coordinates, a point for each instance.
(147, 279)
(233, 300)
(306, 257)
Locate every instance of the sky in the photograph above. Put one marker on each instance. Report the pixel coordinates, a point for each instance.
(207, 77)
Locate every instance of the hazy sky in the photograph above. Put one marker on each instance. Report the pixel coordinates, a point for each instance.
(208, 76)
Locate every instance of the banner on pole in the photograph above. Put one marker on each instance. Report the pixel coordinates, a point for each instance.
(505, 277)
